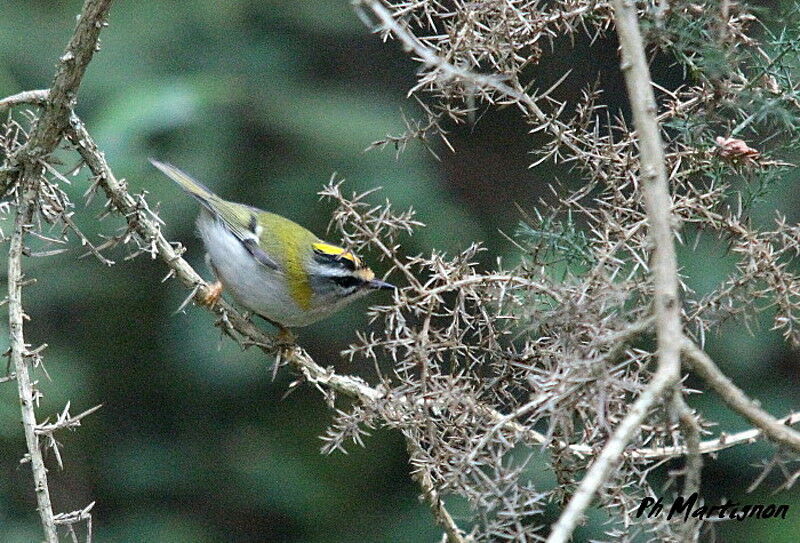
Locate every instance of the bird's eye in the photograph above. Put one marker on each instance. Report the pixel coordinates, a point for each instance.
(346, 281)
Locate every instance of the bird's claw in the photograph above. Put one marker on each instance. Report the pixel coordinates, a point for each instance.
(285, 337)
(212, 294)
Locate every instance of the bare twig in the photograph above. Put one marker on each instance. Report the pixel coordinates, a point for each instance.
(724, 441)
(710, 446)
(443, 518)
(491, 279)
(33, 97)
(74, 517)
(732, 395)
(65, 420)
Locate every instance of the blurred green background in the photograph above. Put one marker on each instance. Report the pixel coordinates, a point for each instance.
(264, 100)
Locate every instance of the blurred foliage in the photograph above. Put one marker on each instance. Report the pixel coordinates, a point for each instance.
(264, 100)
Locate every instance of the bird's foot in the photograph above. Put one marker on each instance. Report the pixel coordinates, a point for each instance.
(285, 337)
(285, 345)
(212, 294)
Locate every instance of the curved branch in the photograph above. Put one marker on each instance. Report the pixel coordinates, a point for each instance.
(33, 97)
(737, 400)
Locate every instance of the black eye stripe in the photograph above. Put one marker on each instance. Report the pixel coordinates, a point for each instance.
(347, 281)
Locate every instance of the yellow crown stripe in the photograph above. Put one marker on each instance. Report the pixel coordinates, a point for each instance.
(333, 250)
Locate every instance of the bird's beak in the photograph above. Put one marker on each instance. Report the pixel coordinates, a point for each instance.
(377, 284)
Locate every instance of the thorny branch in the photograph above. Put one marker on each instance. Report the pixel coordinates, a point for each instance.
(453, 533)
(691, 429)
(75, 517)
(22, 172)
(479, 82)
(664, 270)
(474, 53)
(33, 97)
(28, 395)
(64, 90)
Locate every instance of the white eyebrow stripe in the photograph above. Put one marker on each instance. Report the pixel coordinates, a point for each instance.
(316, 268)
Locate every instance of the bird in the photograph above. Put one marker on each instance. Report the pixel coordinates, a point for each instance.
(271, 265)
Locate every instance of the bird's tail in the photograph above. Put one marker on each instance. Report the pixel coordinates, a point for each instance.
(238, 218)
(186, 182)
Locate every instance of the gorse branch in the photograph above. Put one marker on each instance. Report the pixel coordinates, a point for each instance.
(775, 429)
(22, 173)
(19, 360)
(558, 353)
(664, 267)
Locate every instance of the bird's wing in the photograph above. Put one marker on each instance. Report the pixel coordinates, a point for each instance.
(240, 220)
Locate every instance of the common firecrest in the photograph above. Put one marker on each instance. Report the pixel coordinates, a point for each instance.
(273, 266)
